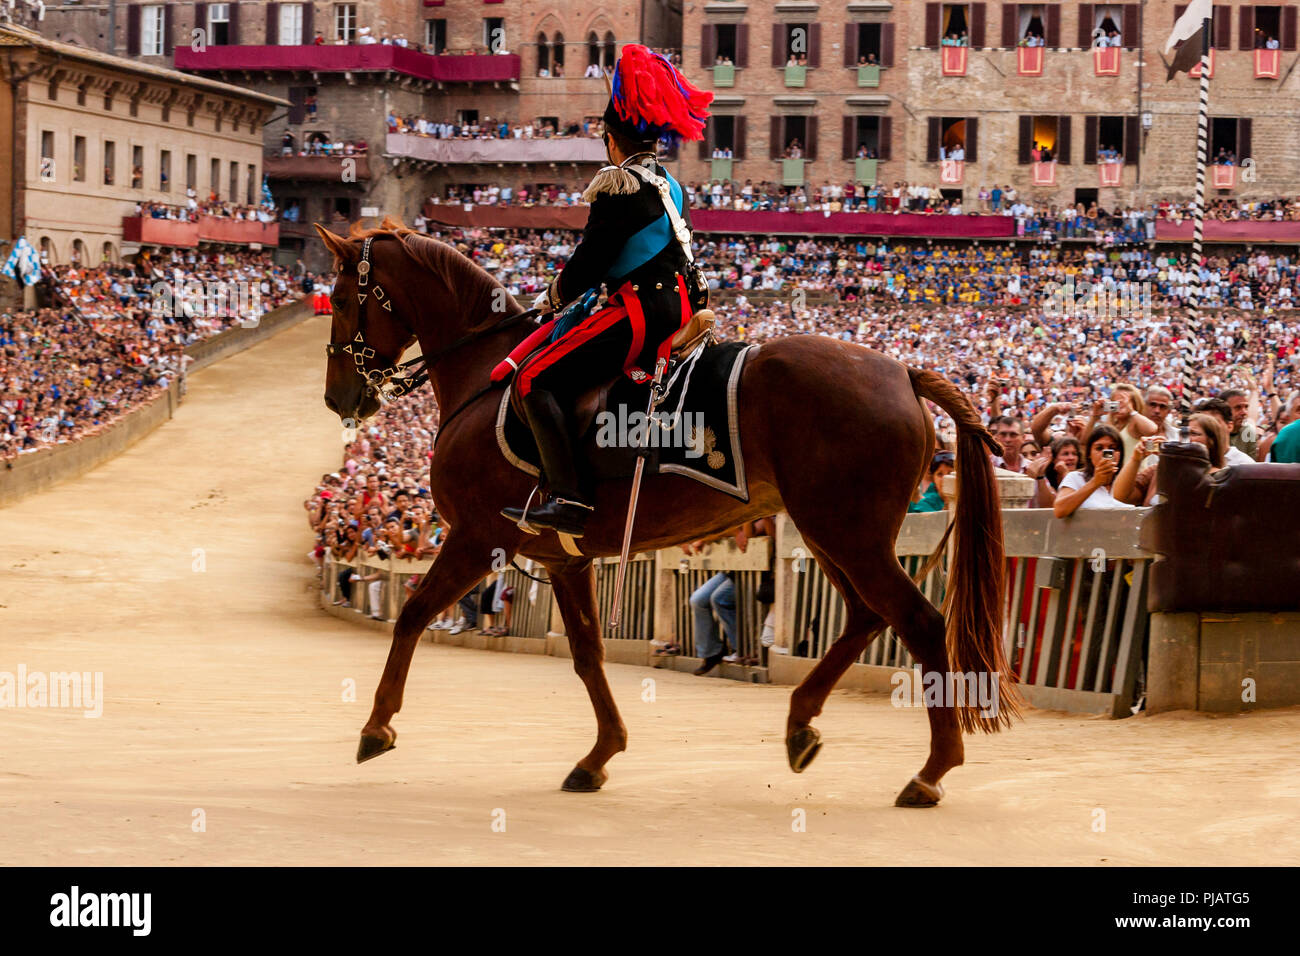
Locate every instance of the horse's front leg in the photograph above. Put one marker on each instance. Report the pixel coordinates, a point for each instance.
(575, 592)
(461, 564)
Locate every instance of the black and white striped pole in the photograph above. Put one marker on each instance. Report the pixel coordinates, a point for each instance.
(1191, 335)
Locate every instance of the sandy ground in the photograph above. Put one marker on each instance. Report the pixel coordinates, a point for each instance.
(225, 694)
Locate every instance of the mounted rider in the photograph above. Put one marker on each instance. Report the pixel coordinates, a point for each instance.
(637, 244)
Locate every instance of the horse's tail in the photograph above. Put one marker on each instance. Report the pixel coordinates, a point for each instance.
(973, 605)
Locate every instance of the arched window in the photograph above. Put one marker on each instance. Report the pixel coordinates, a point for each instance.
(543, 55)
(78, 252)
(611, 51)
(593, 49)
(557, 54)
(107, 255)
(47, 251)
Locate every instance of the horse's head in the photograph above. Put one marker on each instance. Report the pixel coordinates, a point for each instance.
(372, 306)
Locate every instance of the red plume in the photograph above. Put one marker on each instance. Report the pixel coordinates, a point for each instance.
(650, 91)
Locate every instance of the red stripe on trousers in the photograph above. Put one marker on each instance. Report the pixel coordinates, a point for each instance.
(581, 334)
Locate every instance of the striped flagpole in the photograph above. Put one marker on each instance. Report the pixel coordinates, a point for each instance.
(1191, 335)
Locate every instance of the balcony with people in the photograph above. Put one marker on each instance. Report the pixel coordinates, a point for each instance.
(291, 45)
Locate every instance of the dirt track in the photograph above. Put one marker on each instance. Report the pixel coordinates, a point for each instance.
(224, 693)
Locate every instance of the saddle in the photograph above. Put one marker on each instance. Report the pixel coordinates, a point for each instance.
(688, 339)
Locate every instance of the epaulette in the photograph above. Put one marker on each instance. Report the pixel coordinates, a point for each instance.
(613, 180)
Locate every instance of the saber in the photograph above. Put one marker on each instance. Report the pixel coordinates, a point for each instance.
(655, 388)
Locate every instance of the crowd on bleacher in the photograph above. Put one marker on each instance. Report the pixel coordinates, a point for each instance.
(1046, 380)
(110, 338)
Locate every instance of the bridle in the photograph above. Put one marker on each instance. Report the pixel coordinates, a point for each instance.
(398, 379)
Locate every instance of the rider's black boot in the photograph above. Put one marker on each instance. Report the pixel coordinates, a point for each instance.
(567, 509)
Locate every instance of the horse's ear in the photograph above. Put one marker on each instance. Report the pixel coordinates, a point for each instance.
(344, 251)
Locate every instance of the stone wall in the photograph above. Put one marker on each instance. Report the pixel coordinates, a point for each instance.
(29, 474)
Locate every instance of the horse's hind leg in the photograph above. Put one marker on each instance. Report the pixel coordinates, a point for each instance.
(887, 588)
(460, 565)
(886, 591)
(575, 592)
(861, 625)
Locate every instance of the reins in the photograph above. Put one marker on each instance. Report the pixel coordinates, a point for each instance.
(400, 379)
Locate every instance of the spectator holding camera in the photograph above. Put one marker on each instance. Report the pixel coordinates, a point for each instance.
(1090, 487)
(1124, 413)
(1136, 484)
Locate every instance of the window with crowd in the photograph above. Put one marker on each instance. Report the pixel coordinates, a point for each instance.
(435, 35)
(1109, 24)
(951, 137)
(867, 137)
(1044, 139)
(954, 24)
(797, 44)
(1031, 24)
(1111, 139)
(725, 43)
(868, 44)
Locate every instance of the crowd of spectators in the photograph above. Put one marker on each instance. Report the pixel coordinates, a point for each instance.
(318, 144)
(212, 206)
(106, 341)
(493, 129)
(1050, 222)
(978, 314)
(1079, 403)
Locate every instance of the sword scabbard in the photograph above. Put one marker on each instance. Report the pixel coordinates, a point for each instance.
(642, 454)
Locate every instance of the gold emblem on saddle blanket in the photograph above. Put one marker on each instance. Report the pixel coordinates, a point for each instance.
(715, 459)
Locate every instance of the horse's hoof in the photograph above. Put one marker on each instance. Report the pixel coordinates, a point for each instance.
(801, 747)
(584, 781)
(918, 793)
(372, 747)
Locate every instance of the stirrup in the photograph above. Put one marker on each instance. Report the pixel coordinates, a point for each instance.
(523, 523)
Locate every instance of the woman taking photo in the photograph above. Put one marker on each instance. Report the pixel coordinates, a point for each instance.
(1137, 485)
(1090, 487)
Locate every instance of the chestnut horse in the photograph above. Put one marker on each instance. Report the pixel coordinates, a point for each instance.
(834, 434)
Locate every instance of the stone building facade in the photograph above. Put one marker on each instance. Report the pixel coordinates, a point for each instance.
(517, 61)
(993, 98)
(86, 136)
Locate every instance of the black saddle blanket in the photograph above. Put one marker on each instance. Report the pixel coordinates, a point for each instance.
(694, 431)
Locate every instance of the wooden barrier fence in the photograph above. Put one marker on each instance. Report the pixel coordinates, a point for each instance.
(1075, 595)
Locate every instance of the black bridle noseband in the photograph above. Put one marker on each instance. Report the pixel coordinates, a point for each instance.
(399, 379)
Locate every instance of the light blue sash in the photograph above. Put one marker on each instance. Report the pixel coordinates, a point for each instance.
(650, 241)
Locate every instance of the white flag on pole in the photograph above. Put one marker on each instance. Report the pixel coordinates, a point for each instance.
(1196, 13)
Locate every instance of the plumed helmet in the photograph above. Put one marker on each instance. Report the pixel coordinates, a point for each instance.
(651, 100)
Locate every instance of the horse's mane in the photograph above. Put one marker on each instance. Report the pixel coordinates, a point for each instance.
(475, 287)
